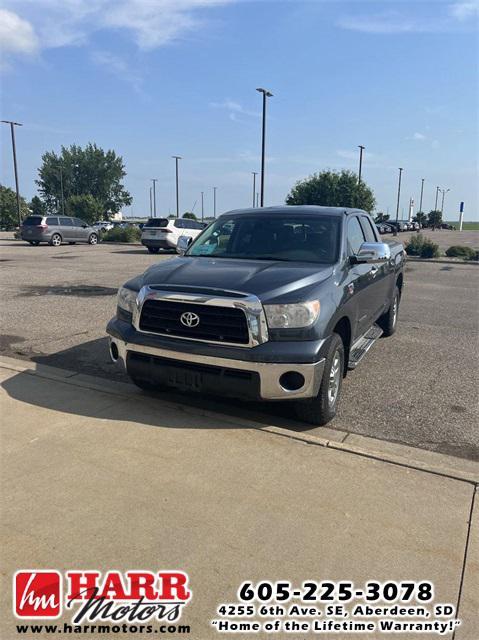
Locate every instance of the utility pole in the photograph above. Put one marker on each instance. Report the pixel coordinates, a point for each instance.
(176, 158)
(266, 94)
(202, 206)
(154, 180)
(437, 193)
(14, 150)
(361, 149)
(422, 191)
(255, 173)
(214, 202)
(399, 197)
(443, 191)
(151, 202)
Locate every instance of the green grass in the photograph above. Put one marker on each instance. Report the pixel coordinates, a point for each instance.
(466, 226)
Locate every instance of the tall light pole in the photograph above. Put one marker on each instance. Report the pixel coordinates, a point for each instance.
(361, 149)
(437, 194)
(422, 191)
(266, 94)
(214, 202)
(154, 180)
(399, 197)
(176, 158)
(14, 150)
(61, 189)
(151, 202)
(202, 206)
(443, 191)
(255, 173)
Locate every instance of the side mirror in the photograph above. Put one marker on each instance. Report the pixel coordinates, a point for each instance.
(183, 244)
(84, 226)
(372, 252)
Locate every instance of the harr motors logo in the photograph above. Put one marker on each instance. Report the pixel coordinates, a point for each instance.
(130, 596)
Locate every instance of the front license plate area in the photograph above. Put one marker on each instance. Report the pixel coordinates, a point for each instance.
(188, 380)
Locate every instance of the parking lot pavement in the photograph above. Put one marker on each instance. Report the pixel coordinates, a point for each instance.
(418, 387)
(95, 480)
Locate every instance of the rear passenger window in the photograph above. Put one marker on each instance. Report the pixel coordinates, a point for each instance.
(66, 222)
(52, 221)
(180, 224)
(355, 236)
(368, 230)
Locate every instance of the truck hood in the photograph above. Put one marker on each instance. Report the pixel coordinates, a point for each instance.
(270, 280)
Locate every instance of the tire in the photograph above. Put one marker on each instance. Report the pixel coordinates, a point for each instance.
(55, 240)
(93, 238)
(153, 249)
(321, 409)
(388, 321)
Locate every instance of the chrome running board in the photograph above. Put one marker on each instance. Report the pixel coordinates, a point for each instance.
(362, 345)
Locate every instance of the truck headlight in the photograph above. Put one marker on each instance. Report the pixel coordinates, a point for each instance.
(126, 299)
(292, 316)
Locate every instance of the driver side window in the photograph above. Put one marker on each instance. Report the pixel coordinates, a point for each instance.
(355, 236)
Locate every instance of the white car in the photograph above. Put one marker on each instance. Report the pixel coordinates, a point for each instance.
(164, 233)
(103, 225)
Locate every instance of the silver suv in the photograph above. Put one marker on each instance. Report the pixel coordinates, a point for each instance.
(57, 229)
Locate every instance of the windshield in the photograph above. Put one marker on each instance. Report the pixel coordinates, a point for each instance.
(267, 237)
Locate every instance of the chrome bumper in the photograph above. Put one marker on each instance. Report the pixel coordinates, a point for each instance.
(269, 372)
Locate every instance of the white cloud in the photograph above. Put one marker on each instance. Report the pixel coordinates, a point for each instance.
(17, 35)
(465, 10)
(235, 109)
(387, 23)
(417, 136)
(150, 23)
(117, 67)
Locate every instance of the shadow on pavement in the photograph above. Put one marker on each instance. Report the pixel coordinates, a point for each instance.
(92, 358)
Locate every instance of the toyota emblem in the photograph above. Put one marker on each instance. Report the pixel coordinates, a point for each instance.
(190, 319)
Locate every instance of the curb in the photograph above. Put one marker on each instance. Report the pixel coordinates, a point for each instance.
(384, 451)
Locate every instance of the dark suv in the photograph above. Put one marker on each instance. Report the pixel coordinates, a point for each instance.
(57, 229)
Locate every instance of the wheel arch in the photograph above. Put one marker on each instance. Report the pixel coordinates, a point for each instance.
(343, 329)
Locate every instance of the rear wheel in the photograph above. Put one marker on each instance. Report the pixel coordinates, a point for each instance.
(56, 240)
(153, 249)
(321, 409)
(93, 238)
(388, 321)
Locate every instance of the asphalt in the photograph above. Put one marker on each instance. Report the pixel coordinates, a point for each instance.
(417, 388)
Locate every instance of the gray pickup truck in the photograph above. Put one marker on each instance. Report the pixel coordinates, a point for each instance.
(271, 303)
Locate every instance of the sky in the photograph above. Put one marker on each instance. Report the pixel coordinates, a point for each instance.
(156, 78)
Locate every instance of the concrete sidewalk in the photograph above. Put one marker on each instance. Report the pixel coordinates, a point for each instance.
(116, 479)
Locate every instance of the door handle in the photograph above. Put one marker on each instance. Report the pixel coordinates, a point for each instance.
(374, 271)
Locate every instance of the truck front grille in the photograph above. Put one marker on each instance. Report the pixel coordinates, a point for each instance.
(216, 324)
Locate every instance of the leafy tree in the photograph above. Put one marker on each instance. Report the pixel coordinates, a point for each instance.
(83, 171)
(332, 189)
(8, 208)
(190, 215)
(381, 217)
(85, 207)
(38, 207)
(420, 217)
(434, 219)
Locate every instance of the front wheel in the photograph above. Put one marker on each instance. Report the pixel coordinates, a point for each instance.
(93, 239)
(153, 249)
(56, 240)
(388, 320)
(321, 409)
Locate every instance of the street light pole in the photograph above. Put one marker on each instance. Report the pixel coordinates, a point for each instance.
(399, 197)
(202, 206)
(444, 191)
(154, 180)
(266, 94)
(61, 189)
(151, 202)
(14, 150)
(214, 202)
(422, 191)
(255, 173)
(361, 149)
(176, 158)
(437, 193)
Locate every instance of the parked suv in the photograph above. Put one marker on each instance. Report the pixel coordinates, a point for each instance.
(57, 229)
(163, 233)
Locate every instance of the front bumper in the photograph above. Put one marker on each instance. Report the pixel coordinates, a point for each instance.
(198, 371)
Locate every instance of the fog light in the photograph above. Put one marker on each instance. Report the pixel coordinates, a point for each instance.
(114, 354)
(291, 381)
